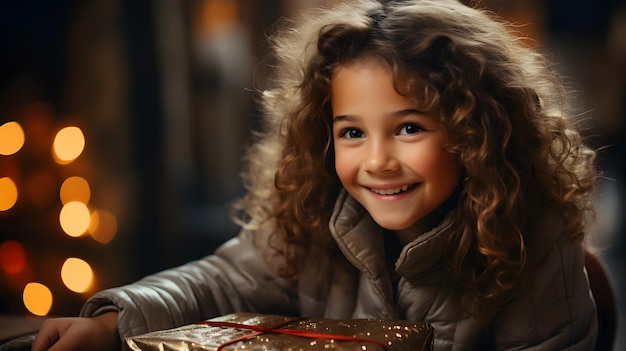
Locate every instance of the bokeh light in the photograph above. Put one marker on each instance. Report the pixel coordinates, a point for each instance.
(76, 274)
(8, 193)
(11, 138)
(68, 145)
(12, 257)
(75, 189)
(37, 298)
(103, 226)
(74, 218)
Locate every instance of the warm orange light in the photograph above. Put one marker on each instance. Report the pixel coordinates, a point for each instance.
(75, 189)
(76, 274)
(12, 257)
(8, 193)
(68, 145)
(11, 138)
(216, 14)
(103, 226)
(37, 299)
(74, 218)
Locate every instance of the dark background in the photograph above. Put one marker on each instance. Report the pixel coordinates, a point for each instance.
(163, 93)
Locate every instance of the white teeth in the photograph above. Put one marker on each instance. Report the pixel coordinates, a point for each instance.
(391, 191)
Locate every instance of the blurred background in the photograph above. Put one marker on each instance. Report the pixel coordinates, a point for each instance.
(122, 126)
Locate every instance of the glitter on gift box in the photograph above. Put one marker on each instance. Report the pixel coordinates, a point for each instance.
(255, 332)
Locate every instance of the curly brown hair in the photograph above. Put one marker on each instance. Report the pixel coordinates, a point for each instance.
(500, 101)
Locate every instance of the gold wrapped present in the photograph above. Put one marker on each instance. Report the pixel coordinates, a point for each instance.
(256, 332)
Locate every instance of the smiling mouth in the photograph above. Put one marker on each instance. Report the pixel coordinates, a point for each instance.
(393, 191)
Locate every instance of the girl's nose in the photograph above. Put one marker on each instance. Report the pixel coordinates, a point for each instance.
(380, 158)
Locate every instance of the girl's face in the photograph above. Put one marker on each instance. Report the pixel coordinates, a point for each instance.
(389, 155)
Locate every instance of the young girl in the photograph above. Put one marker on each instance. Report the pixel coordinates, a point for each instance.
(417, 162)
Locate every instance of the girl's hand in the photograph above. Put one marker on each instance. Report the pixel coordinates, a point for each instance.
(65, 334)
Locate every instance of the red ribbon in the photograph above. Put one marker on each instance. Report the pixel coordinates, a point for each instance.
(258, 330)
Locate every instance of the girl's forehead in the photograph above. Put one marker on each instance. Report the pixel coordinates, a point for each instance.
(402, 81)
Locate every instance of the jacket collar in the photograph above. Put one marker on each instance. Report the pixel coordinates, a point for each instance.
(361, 241)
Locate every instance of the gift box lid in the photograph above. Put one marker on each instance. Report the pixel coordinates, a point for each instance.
(256, 332)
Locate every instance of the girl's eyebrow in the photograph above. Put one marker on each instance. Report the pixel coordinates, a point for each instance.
(410, 111)
(344, 118)
(397, 114)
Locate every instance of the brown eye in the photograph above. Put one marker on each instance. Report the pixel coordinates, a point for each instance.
(351, 133)
(410, 129)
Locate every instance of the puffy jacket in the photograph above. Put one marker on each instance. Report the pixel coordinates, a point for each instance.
(552, 309)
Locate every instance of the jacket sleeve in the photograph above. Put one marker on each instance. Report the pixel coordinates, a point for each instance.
(554, 309)
(234, 279)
